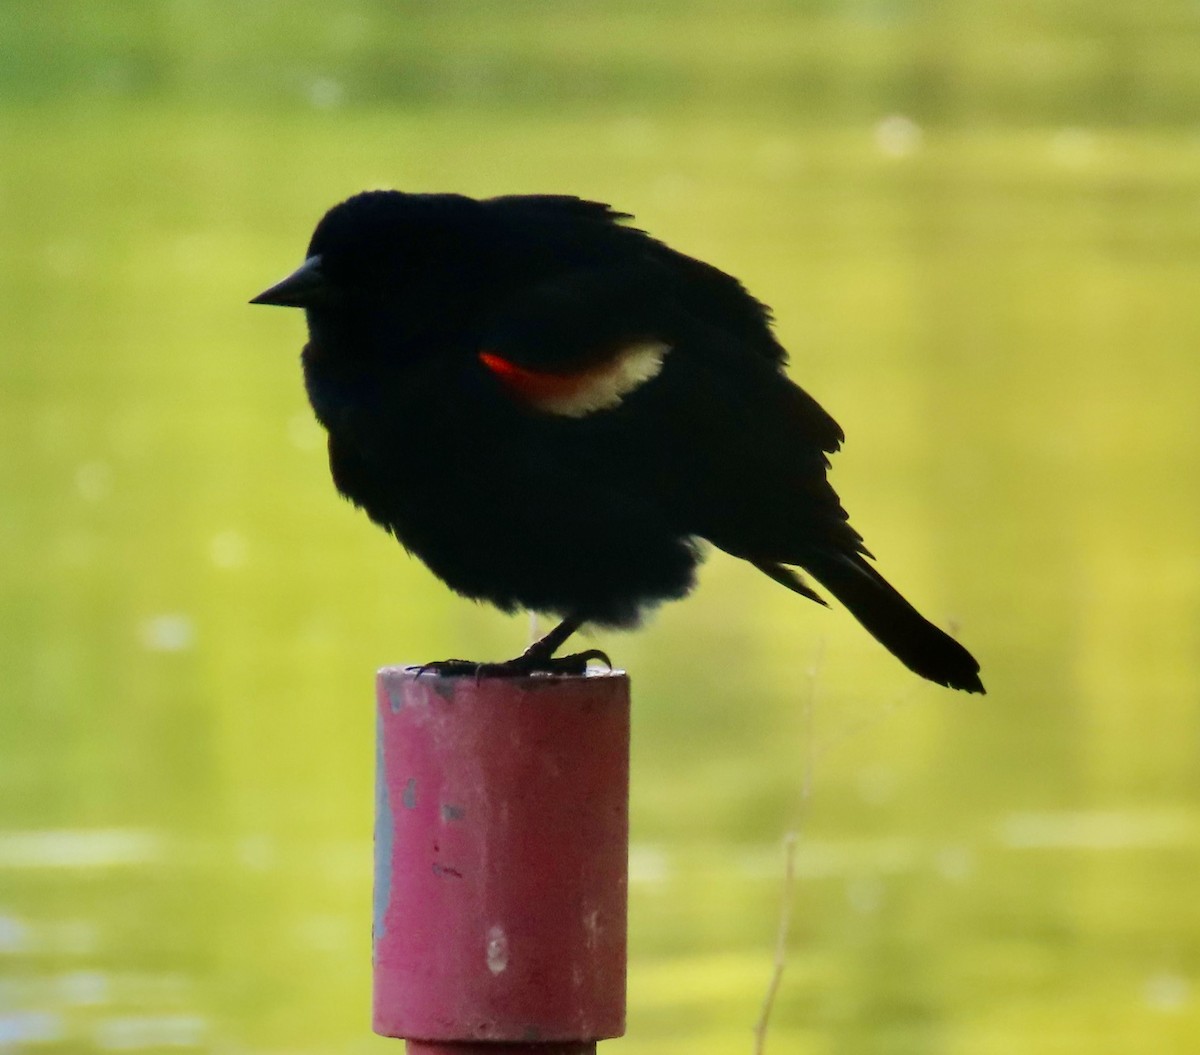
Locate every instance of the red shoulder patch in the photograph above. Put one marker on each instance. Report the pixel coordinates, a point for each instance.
(598, 387)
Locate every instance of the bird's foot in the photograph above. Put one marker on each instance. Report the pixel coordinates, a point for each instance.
(531, 661)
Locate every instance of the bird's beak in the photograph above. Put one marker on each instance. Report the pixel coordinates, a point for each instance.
(302, 288)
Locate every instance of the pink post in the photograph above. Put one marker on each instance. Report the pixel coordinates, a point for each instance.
(501, 844)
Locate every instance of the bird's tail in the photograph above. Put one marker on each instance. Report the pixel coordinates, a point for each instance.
(895, 623)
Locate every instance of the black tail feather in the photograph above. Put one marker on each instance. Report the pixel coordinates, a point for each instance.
(895, 623)
(789, 578)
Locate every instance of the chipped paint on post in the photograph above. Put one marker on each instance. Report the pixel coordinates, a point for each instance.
(497, 950)
(395, 699)
(591, 928)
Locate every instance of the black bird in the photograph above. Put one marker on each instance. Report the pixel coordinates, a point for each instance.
(552, 409)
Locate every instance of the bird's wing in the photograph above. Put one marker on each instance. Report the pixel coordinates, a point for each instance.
(626, 376)
(583, 342)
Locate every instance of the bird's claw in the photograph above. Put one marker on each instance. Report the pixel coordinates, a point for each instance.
(531, 662)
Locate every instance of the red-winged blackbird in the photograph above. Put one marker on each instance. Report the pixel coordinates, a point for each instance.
(551, 409)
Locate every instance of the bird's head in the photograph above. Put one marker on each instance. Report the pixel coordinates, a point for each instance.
(385, 268)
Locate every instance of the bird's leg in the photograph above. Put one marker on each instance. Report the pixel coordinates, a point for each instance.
(538, 658)
(540, 655)
(546, 645)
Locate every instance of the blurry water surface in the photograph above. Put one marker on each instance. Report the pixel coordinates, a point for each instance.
(979, 226)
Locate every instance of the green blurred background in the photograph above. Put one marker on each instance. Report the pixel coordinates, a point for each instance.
(979, 225)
